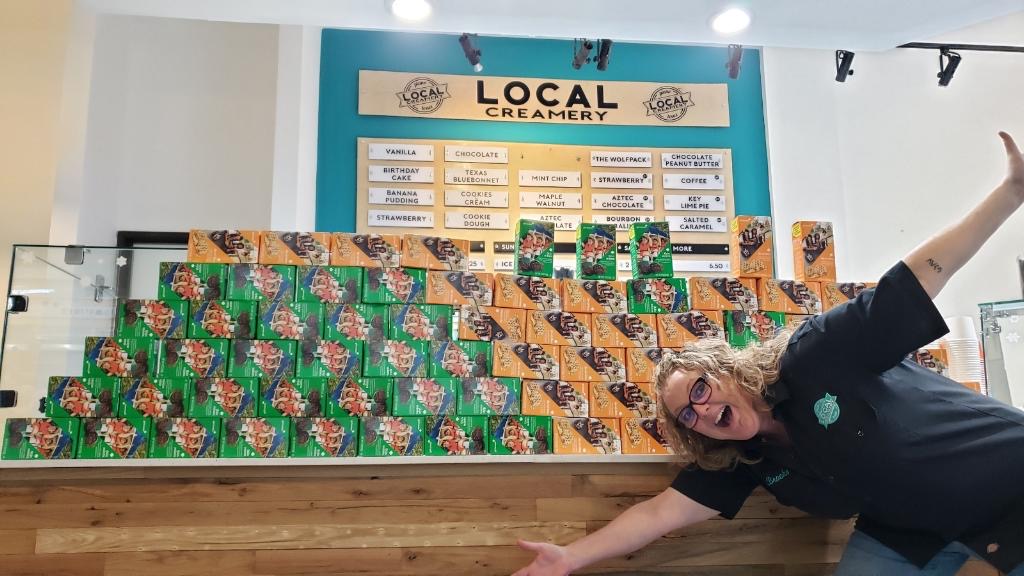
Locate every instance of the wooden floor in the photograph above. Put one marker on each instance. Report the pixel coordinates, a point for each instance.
(445, 519)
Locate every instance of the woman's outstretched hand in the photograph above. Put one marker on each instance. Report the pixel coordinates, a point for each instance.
(936, 260)
(1014, 166)
(551, 560)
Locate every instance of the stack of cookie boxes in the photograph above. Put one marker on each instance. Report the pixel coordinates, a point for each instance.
(275, 344)
(753, 305)
(813, 291)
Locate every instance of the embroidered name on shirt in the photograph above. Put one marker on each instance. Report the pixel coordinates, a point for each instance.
(773, 480)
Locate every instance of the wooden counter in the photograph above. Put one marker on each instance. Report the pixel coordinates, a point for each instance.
(437, 518)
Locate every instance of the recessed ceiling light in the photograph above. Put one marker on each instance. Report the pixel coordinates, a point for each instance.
(410, 9)
(730, 21)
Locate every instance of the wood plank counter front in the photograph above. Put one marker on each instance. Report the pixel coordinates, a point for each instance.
(446, 519)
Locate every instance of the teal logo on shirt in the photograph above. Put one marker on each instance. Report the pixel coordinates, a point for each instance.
(827, 410)
(773, 480)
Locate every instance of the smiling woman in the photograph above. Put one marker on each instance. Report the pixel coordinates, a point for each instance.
(834, 419)
(735, 409)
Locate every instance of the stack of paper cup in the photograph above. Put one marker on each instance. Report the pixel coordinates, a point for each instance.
(965, 363)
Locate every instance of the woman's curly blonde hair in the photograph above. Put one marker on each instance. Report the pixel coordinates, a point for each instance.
(752, 369)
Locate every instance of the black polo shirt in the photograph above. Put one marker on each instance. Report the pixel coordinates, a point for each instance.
(923, 460)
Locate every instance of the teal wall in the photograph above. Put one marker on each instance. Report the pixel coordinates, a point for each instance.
(344, 53)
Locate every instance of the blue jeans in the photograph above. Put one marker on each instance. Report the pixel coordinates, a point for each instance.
(865, 556)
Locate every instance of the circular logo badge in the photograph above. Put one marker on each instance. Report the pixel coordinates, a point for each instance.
(827, 410)
(423, 95)
(668, 103)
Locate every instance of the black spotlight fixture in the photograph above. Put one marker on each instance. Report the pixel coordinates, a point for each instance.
(948, 62)
(844, 59)
(472, 53)
(735, 55)
(581, 52)
(603, 52)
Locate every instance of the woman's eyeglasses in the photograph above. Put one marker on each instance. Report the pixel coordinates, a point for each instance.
(700, 393)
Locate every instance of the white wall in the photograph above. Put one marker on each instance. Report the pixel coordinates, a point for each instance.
(891, 157)
(180, 128)
(33, 39)
(72, 126)
(293, 205)
(803, 149)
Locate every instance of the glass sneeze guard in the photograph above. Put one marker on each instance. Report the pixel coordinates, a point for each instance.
(69, 294)
(1002, 330)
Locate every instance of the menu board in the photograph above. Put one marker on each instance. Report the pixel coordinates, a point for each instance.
(478, 190)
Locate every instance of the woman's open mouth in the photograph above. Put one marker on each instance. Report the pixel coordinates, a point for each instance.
(724, 417)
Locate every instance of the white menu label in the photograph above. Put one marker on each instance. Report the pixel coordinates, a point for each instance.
(621, 180)
(561, 221)
(696, 223)
(567, 200)
(690, 160)
(614, 159)
(481, 198)
(620, 222)
(550, 179)
(479, 176)
(693, 182)
(504, 263)
(402, 196)
(481, 220)
(482, 154)
(622, 201)
(684, 265)
(476, 264)
(402, 174)
(412, 152)
(400, 218)
(694, 203)
(563, 262)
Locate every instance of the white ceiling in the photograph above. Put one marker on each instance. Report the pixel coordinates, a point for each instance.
(827, 24)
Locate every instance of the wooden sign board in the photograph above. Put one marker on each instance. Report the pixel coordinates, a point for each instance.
(483, 198)
(553, 101)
